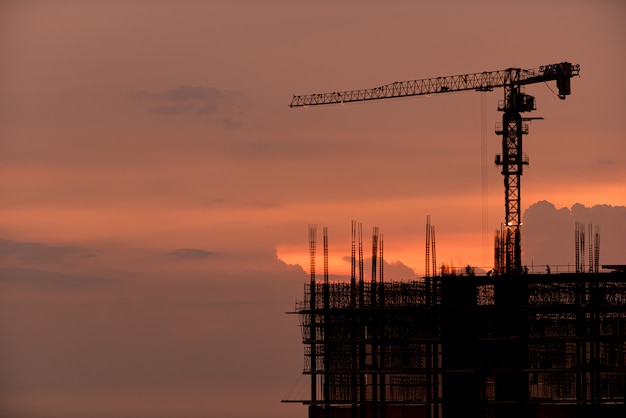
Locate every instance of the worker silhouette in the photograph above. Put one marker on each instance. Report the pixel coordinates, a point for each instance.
(547, 269)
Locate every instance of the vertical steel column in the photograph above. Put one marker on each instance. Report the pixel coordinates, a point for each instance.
(375, 319)
(427, 262)
(382, 332)
(596, 250)
(576, 241)
(590, 229)
(355, 333)
(433, 250)
(362, 325)
(353, 267)
(326, 350)
(312, 308)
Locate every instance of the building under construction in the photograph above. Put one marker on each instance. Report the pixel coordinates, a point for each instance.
(506, 343)
(459, 344)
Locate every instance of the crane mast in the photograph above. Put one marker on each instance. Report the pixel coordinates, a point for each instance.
(512, 129)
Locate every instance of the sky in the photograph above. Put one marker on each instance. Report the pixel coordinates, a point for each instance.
(157, 189)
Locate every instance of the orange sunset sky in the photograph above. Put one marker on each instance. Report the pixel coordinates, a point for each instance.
(156, 187)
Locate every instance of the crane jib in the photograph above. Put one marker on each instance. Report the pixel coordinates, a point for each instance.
(485, 81)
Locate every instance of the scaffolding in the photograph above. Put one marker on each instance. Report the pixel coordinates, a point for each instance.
(466, 346)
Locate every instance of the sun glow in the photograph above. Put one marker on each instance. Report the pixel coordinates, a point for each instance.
(338, 262)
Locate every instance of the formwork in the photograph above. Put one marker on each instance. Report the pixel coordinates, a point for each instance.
(466, 346)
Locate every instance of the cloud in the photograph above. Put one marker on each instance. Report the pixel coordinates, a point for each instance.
(606, 163)
(208, 109)
(199, 100)
(191, 253)
(187, 93)
(230, 123)
(171, 109)
(37, 252)
(397, 270)
(392, 271)
(548, 232)
(50, 280)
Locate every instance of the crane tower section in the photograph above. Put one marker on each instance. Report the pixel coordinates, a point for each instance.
(512, 159)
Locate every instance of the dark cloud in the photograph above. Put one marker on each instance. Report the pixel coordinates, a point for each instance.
(230, 123)
(171, 109)
(606, 163)
(208, 108)
(191, 93)
(198, 100)
(191, 253)
(184, 93)
(37, 252)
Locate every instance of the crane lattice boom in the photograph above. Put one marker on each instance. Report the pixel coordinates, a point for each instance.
(484, 81)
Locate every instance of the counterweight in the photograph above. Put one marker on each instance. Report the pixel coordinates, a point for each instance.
(512, 129)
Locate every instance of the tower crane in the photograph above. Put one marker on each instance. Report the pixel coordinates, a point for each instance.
(515, 102)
